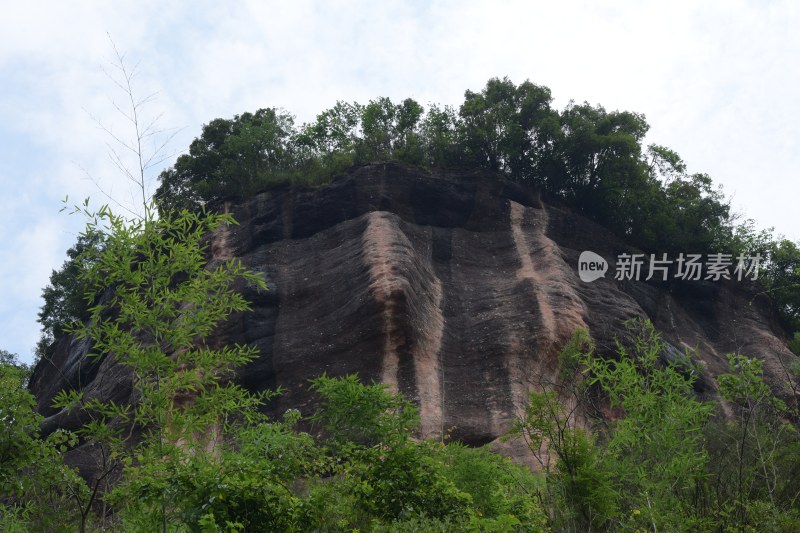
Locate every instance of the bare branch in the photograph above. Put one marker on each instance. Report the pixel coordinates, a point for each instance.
(102, 191)
(133, 157)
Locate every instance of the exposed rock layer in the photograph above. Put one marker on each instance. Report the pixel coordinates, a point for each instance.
(456, 289)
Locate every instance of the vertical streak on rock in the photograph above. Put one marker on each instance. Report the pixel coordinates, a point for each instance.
(211, 435)
(427, 353)
(220, 247)
(409, 296)
(560, 308)
(527, 270)
(377, 254)
(560, 305)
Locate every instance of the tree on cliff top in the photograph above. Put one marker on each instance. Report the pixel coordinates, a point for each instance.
(591, 158)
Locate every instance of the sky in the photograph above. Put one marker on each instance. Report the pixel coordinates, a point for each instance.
(717, 81)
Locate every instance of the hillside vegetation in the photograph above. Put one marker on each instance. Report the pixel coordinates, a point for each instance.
(666, 462)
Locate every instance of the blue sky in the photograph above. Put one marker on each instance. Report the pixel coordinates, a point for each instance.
(717, 81)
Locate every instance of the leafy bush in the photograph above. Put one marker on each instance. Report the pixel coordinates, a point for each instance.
(36, 488)
(64, 301)
(794, 344)
(362, 415)
(500, 490)
(388, 474)
(655, 451)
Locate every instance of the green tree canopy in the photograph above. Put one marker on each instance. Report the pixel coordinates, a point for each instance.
(591, 158)
(64, 301)
(231, 157)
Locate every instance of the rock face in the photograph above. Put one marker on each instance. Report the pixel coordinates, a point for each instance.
(458, 290)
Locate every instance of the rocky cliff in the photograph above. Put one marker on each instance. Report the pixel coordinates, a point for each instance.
(456, 289)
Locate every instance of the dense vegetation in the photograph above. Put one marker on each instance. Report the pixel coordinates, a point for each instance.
(665, 462)
(590, 158)
(206, 458)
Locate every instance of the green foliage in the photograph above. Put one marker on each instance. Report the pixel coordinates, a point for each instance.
(590, 158)
(205, 458)
(698, 215)
(383, 480)
(439, 131)
(600, 155)
(388, 475)
(656, 450)
(18, 419)
(13, 365)
(782, 280)
(470, 524)
(756, 452)
(794, 344)
(162, 305)
(35, 486)
(230, 158)
(64, 301)
(507, 128)
(156, 305)
(653, 469)
(230, 486)
(14, 519)
(500, 489)
(779, 270)
(327, 146)
(208, 460)
(578, 494)
(583, 484)
(573, 355)
(390, 131)
(745, 386)
(648, 468)
(401, 480)
(163, 302)
(365, 415)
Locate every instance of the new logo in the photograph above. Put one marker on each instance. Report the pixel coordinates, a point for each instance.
(591, 266)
